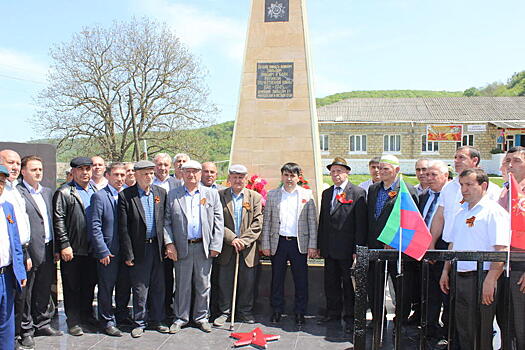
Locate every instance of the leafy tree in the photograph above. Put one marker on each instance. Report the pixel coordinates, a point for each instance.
(115, 87)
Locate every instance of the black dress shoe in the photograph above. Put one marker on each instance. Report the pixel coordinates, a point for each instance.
(48, 332)
(299, 319)
(328, 319)
(113, 331)
(276, 317)
(248, 318)
(27, 342)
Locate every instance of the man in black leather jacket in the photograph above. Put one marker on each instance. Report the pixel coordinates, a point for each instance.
(78, 269)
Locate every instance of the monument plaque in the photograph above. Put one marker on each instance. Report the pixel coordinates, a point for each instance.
(276, 10)
(275, 80)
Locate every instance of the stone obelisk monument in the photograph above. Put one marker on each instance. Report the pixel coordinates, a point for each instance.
(276, 117)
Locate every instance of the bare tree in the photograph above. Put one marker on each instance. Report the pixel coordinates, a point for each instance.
(112, 88)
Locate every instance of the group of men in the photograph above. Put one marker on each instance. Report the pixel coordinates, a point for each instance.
(132, 229)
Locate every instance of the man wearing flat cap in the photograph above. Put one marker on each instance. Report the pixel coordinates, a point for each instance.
(242, 211)
(342, 226)
(141, 212)
(71, 204)
(194, 230)
(381, 198)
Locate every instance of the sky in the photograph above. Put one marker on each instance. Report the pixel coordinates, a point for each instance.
(355, 45)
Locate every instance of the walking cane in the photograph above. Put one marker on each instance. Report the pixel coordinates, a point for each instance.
(234, 296)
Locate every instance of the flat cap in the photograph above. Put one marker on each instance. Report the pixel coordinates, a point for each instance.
(143, 164)
(339, 161)
(192, 164)
(3, 170)
(80, 161)
(238, 169)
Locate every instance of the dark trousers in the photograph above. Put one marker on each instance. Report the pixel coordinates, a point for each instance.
(107, 279)
(245, 287)
(287, 250)
(408, 272)
(44, 277)
(436, 300)
(467, 304)
(169, 282)
(214, 290)
(516, 319)
(147, 278)
(79, 277)
(23, 320)
(338, 288)
(7, 310)
(122, 293)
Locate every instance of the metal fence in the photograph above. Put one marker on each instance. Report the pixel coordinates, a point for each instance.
(366, 257)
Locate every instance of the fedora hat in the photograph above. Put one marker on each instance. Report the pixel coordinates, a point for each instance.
(339, 161)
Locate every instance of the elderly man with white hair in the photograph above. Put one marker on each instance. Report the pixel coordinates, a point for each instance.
(178, 160)
(193, 232)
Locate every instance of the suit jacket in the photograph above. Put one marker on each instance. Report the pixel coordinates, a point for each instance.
(306, 221)
(251, 226)
(176, 223)
(132, 222)
(346, 226)
(69, 220)
(14, 242)
(37, 247)
(375, 226)
(103, 224)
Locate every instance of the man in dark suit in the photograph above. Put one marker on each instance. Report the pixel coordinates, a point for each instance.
(436, 178)
(71, 204)
(381, 198)
(163, 179)
(12, 269)
(342, 225)
(39, 206)
(141, 219)
(103, 232)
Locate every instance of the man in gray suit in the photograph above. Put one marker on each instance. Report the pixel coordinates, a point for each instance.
(193, 232)
(289, 233)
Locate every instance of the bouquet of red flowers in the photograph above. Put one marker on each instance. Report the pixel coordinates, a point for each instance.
(303, 182)
(258, 184)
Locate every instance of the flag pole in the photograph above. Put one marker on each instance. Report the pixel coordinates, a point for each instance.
(507, 267)
(400, 232)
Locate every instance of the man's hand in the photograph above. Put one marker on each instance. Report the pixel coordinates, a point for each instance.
(171, 252)
(266, 252)
(23, 283)
(29, 264)
(313, 253)
(521, 283)
(129, 263)
(489, 287)
(67, 254)
(105, 261)
(238, 244)
(443, 282)
(214, 253)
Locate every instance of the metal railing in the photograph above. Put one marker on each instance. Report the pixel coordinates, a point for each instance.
(366, 257)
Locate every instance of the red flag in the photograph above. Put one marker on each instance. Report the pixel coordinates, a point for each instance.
(517, 214)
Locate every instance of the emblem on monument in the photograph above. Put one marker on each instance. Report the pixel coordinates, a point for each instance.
(276, 11)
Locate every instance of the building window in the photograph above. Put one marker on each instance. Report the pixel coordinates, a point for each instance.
(357, 144)
(430, 146)
(468, 140)
(324, 142)
(392, 143)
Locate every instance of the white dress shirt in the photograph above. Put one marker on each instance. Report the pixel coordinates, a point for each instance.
(288, 212)
(491, 227)
(450, 199)
(42, 208)
(336, 192)
(103, 183)
(15, 198)
(5, 243)
(164, 184)
(366, 185)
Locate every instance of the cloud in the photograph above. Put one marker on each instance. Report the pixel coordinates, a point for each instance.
(21, 66)
(198, 28)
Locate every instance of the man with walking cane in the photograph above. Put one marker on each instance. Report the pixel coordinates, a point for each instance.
(242, 210)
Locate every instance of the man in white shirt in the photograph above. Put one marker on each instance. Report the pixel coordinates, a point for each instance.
(450, 199)
(289, 234)
(373, 168)
(98, 180)
(480, 225)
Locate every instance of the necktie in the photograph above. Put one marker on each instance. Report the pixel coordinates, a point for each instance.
(431, 209)
(337, 190)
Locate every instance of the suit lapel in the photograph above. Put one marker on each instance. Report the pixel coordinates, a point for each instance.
(246, 199)
(338, 203)
(180, 198)
(157, 205)
(75, 194)
(110, 197)
(202, 207)
(229, 202)
(29, 198)
(138, 204)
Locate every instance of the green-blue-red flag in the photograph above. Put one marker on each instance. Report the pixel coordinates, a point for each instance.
(405, 226)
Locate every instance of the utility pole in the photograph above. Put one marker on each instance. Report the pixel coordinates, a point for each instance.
(136, 150)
